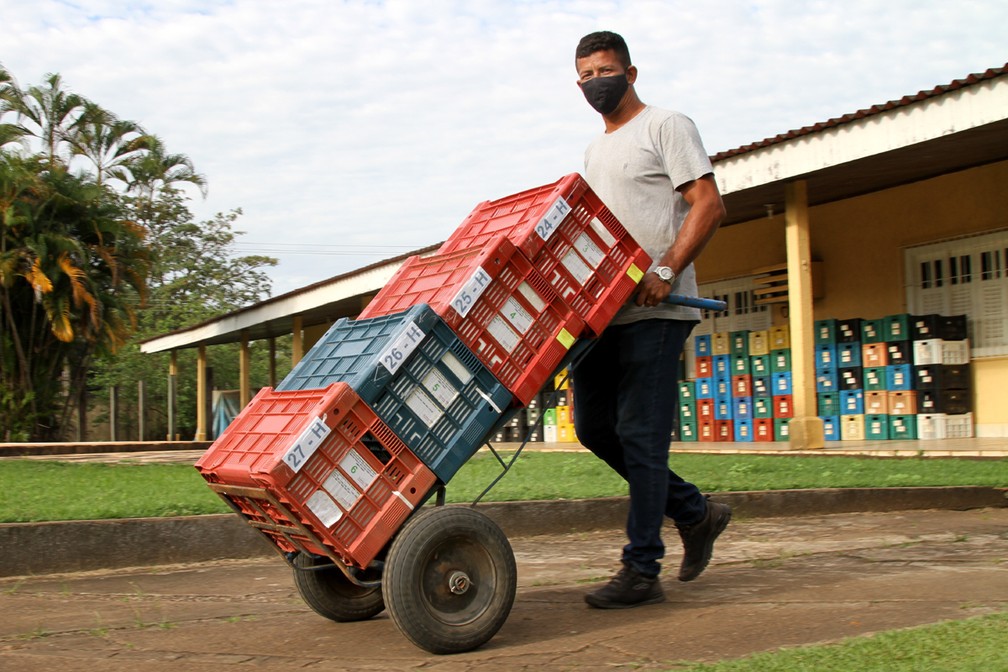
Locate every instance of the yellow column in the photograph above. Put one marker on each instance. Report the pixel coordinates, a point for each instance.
(806, 428)
(201, 394)
(297, 347)
(172, 393)
(272, 362)
(244, 364)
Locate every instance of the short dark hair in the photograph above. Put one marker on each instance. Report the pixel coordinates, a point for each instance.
(603, 40)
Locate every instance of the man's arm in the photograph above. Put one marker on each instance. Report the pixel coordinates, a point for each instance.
(705, 215)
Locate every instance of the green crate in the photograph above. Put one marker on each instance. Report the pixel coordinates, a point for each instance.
(738, 342)
(829, 403)
(825, 331)
(687, 411)
(903, 427)
(897, 327)
(687, 390)
(874, 379)
(688, 431)
(780, 429)
(780, 361)
(760, 365)
(876, 427)
(762, 407)
(873, 331)
(740, 365)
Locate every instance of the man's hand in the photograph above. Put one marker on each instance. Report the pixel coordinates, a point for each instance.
(652, 290)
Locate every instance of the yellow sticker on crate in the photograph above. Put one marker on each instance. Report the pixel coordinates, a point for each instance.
(565, 338)
(635, 273)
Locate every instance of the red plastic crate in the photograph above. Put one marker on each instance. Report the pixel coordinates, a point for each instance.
(783, 406)
(704, 367)
(724, 430)
(317, 470)
(498, 305)
(572, 239)
(705, 430)
(763, 429)
(742, 385)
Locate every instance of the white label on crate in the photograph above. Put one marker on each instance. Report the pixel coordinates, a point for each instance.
(324, 508)
(573, 262)
(517, 315)
(532, 297)
(360, 471)
(436, 383)
(552, 219)
(342, 490)
(589, 250)
(425, 407)
(309, 440)
(470, 292)
(399, 350)
(599, 228)
(503, 334)
(457, 367)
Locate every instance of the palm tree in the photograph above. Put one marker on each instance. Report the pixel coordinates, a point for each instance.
(156, 170)
(108, 142)
(47, 112)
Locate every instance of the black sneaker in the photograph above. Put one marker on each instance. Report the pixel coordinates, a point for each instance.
(629, 588)
(698, 540)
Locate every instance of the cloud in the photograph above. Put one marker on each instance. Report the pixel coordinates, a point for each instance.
(382, 124)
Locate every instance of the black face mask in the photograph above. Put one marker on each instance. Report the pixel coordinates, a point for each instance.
(605, 93)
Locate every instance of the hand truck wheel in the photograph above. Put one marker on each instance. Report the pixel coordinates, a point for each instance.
(449, 579)
(331, 594)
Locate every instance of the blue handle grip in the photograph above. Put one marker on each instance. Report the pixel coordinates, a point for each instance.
(697, 302)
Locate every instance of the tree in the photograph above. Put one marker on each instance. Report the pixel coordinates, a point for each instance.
(48, 113)
(110, 144)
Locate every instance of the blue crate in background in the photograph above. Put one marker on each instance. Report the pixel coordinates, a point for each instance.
(703, 345)
(831, 427)
(743, 430)
(704, 388)
(781, 383)
(825, 356)
(420, 379)
(851, 402)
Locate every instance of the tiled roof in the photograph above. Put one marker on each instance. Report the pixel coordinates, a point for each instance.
(861, 114)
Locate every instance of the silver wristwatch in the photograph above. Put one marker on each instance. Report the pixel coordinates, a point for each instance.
(665, 273)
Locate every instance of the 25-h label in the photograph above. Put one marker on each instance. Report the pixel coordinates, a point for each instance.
(470, 292)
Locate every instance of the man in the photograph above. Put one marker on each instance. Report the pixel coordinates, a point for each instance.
(651, 170)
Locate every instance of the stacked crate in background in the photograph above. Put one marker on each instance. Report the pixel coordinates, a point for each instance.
(553, 406)
(897, 377)
(453, 351)
(742, 390)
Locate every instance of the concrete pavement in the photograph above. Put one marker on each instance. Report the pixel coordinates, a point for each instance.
(773, 582)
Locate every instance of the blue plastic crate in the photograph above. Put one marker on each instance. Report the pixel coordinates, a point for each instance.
(826, 380)
(825, 356)
(899, 377)
(743, 408)
(831, 427)
(848, 354)
(722, 386)
(703, 345)
(704, 388)
(781, 383)
(722, 365)
(723, 407)
(743, 430)
(437, 396)
(851, 402)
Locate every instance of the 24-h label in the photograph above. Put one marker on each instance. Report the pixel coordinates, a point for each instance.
(399, 351)
(466, 297)
(552, 219)
(306, 445)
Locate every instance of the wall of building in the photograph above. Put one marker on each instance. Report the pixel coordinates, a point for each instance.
(861, 241)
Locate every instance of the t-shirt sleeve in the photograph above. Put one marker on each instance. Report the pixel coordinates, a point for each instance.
(682, 150)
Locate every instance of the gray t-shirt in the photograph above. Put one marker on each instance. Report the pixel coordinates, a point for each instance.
(635, 170)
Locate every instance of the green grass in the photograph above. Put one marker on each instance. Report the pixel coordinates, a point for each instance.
(972, 645)
(44, 490)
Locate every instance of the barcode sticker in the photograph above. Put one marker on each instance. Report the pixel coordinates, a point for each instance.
(466, 297)
(358, 468)
(324, 508)
(399, 350)
(553, 218)
(342, 490)
(306, 445)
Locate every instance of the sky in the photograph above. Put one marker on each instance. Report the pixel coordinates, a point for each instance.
(352, 131)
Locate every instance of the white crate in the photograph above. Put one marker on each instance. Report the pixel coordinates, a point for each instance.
(959, 426)
(852, 428)
(955, 352)
(928, 351)
(549, 433)
(931, 426)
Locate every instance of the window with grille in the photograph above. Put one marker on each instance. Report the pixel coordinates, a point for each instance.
(743, 310)
(964, 276)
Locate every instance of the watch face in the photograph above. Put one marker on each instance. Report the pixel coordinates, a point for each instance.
(664, 272)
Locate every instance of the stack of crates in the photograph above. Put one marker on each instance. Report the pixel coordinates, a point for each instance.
(451, 353)
(891, 380)
(742, 390)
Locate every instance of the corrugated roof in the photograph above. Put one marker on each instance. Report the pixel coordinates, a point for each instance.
(970, 80)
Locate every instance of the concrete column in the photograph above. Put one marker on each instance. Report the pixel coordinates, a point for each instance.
(244, 364)
(172, 392)
(201, 394)
(806, 428)
(297, 347)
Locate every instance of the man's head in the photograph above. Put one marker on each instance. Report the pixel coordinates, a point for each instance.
(604, 71)
(603, 40)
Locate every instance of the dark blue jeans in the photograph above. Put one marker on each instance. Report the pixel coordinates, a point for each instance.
(626, 401)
